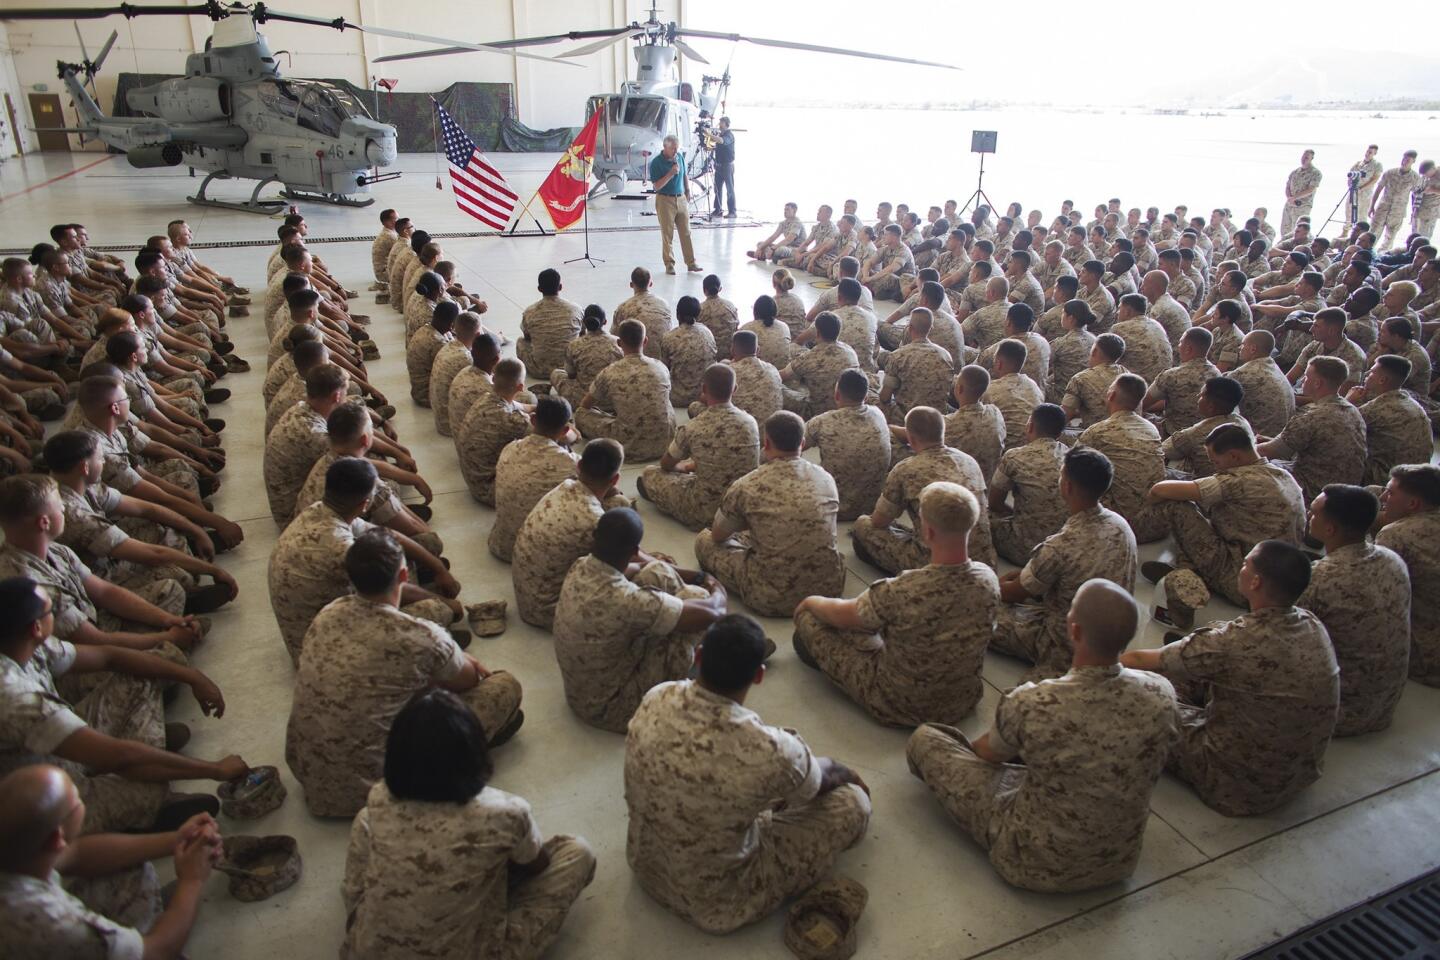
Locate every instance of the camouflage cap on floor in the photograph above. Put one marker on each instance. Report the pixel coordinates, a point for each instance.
(260, 867)
(253, 796)
(820, 925)
(1185, 593)
(487, 618)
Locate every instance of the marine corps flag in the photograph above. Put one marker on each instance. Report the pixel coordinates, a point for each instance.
(563, 192)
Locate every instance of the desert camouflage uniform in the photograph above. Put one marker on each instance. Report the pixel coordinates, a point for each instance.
(449, 362)
(1037, 356)
(556, 533)
(972, 298)
(1224, 346)
(986, 326)
(1417, 540)
(307, 571)
(36, 399)
(1300, 179)
(892, 336)
(1237, 509)
(687, 351)
(895, 548)
(1327, 440)
(585, 357)
(1361, 593)
(298, 440)
(1187, 447)
(547, 326)
(44, 919)
(784, 550)
(978, 429)
(854, 444)
(1132, 444)
(1071, 817)
(790, 311)
(829, 299)
(403, 901)
(859, 328)
(93, 536)
(616, 638)
(792, 237)
(291, 392)
(1269, 399)
(922, 643)
(772, 343)
(1168, 312)
(1419, 381)
(491, 424)
(723, 444)
(385, 504)
(722, 319)
(1102, 304)
(1397, 430)
(636, 391)
(528, 469)
(1093, 543)
(1088, 390)
(1069, 355)
(1180, 387)
(1348, 350)
(1017, 396)
(725, 840)
(420, 353)
(650, 310)
(758, 390)
(888, 288)
(920, 374)
(1185, 293)
(816, 370)
(61, 574)
(380, 253)
(418, 311)
(1031, 474)
(1147, 347)
(1271, 692)
(35, 720)
(1392, 211)
(361, 663)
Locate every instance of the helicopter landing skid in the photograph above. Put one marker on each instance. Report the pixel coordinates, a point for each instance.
(253, 205)
(336, 199)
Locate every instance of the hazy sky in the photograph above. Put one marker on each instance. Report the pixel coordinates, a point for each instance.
(1158, 52)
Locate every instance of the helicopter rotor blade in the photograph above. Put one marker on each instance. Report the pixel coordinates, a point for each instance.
(598, 45)
(813, 48)
(340, 23)
(688, 50)
(128, 10)
(504, 44)
(84, 54)
(105, 50)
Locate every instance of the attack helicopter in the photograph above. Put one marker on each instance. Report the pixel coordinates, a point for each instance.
(233, 115)
(635, 122)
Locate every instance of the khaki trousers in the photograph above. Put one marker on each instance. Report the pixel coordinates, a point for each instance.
(674, 214)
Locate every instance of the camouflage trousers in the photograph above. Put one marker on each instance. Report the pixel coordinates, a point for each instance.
(494, 700)
(536, 907)
(482, 488)
(594, 424)
(1388, 224)
(130, 897)
(126, 708)
(1198, 547)
(886, 288)
(893, 336)
(855, 662)
(892, 548)
(770, 592)
(680, 495)
(1026, 631)
(1221, 784)
(799, 402)
(1292, 213)
(294, 619)
(176, 472)
(974, 792)
(572, 390)
(40, 398)
(1015, 538)
(537, 366)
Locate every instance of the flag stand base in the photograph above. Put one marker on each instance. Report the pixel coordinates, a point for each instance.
(593, 261)
(516, 225)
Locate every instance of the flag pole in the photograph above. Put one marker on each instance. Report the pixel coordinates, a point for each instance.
(521, 215)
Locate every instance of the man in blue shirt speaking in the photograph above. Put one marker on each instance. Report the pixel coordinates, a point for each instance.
(672, 193)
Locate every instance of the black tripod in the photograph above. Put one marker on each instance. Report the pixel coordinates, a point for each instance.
(593, 261)
(1353, 207)
(979, 193)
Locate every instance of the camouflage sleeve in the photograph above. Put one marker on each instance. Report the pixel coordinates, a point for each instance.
(357, 861)
(1200, 656)
(1044, 568)
(1007, 736)
(876, 606)
(680, 442)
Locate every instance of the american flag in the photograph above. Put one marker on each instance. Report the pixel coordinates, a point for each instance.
(479, 188)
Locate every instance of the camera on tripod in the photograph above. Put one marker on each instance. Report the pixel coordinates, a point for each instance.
(1355, 176)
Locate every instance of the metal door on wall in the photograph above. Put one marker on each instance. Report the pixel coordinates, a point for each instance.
(46, 112)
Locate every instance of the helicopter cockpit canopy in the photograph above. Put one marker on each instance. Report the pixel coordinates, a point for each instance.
(648, 113)
(314, 105)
